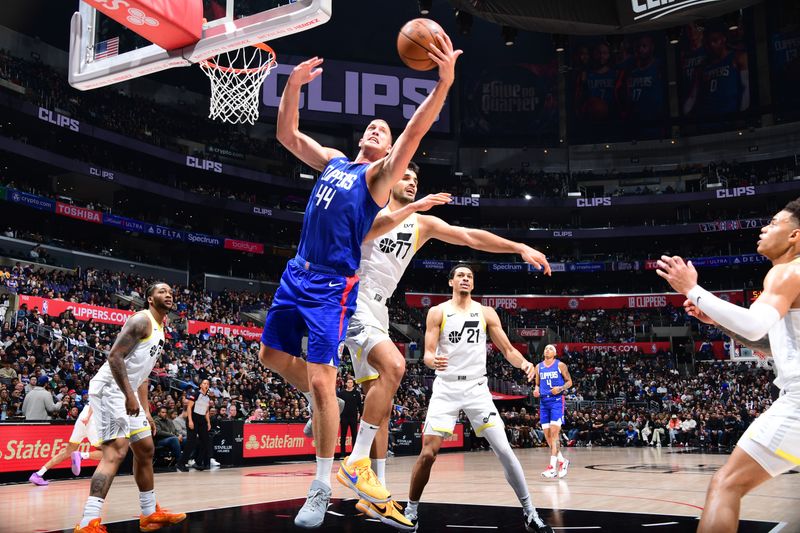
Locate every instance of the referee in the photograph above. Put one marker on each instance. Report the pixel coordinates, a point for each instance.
(198, 424)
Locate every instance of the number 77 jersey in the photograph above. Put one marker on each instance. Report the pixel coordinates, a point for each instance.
(463, 340)
(385, 258)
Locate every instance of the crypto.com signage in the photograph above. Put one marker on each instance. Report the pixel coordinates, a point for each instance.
(356, 93)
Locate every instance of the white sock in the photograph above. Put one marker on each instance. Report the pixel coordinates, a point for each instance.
(527, 505)
(324, 465)
(84, 455)
(412, 506)
(42, 470)
(560, 457)
(92, 510)
(553, 460)
(364, 439)
(380, 470)
(147, 500)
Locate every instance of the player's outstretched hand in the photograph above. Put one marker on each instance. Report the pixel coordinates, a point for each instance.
(529, 369)
(693, 310)
(306, 72)
(536, 258)
(440, 198)
(442, 54)
(681, 276)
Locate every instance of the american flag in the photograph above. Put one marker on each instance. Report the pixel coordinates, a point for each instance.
(105, 49)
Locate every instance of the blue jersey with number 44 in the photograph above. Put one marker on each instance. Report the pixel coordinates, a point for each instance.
(339, 214)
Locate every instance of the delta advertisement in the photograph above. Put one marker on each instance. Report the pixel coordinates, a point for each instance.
(25, 448)
(103, 315)
(229, 330)
(129, 224)
(605, 301)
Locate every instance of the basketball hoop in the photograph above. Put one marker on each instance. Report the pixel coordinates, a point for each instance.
(236, 78)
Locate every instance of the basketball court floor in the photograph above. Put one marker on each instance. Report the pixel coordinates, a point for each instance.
(607, 489)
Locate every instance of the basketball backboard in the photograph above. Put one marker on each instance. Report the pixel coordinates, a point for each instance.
(103, 52)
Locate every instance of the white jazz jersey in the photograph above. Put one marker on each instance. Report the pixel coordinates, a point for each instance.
(784, 343)
(138, 364)
(462, 339)
(385, 258)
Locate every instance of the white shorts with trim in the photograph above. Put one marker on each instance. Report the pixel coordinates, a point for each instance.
(84, 428)
(449, 397)
(369, 326)
(773, 439)
(110, 418)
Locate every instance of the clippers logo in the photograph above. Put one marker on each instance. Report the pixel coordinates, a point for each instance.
(138, 17)
(736, 192)
(655, 9)
(203, 164)
(604, 201)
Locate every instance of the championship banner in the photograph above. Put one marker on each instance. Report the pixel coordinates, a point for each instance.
(103, 315)
(80, 213)
(640, 347)
(279, 440)
(26, 447)
(611, 301)
(229, 330)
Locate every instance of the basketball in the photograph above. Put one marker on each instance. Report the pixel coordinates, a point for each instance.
(414, 40)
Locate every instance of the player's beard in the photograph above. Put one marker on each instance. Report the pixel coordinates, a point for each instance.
(401, 198)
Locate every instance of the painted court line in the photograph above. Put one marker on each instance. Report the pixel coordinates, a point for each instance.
(660, 524)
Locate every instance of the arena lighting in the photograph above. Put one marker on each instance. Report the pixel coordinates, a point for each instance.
(458, 173)
(464, 22)
(424, 6)
(475, 195)
(528, 196)
(306, 176)
(714, 185)
(574, 194)
(559, 42)
(674, 35)
(732, 20)
(509, 35)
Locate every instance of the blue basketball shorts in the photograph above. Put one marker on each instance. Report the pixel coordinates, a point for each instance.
(313, 302)
(551, 411)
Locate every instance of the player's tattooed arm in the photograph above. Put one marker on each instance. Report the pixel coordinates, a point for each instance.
(135, 329)
(761, 345)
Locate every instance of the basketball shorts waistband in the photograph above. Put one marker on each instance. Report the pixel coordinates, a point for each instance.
(321, 269)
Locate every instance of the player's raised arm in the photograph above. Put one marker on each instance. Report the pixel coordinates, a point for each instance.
(136, 328)
(433, 326)
(781, 288)
(495, 330)
(385, 173)
(387, 221)
(289, 135)
(479, 239)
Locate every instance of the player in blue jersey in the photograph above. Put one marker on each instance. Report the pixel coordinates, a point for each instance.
(723, 86)
(641, 86)
(318, 289)
(552, 379)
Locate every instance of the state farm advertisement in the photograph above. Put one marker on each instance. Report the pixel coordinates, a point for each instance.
(104, 315)
(609, 301)
(81, 213)
(280, 440)
(26, 448)
(229, 330)
(641, 347)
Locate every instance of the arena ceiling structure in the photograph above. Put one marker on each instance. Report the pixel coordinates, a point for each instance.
(597, 17)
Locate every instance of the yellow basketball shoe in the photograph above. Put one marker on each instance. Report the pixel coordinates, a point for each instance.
(390, 513)
(360, 478)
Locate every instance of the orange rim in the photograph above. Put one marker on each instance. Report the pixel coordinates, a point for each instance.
(262, 46)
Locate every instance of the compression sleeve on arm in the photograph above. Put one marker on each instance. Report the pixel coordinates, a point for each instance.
(752, 324)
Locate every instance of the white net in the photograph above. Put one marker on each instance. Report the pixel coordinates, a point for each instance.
(236, 79)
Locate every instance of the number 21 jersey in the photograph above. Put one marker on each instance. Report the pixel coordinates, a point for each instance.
(462, 339)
